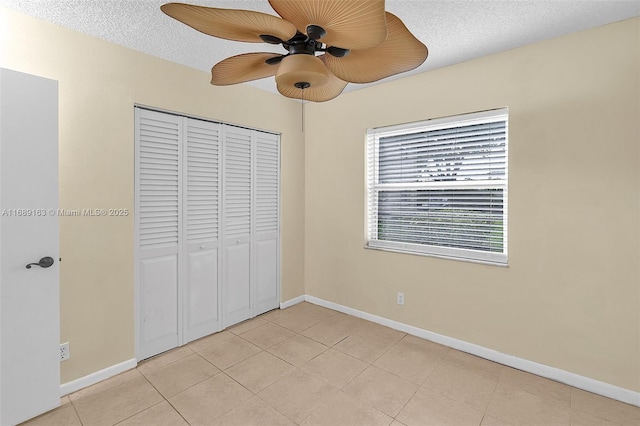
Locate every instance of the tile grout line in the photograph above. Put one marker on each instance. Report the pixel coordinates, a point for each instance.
(135, 414)
(370, 364)
(76, 411)
(197, 383)
(493, 392)
(295, 367)
(274, 408)
(164, 398)
(571, 405)
(405, 405)
(183, 390)
(238, 404)
(299, 333)
(177, 411)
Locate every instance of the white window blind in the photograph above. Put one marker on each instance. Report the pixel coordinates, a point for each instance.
(440, 187)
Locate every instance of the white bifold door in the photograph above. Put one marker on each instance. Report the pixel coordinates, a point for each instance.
(201, 223)
(266, 225)
(203, 194)
(159, 219)
(250, 218)
(237, 183)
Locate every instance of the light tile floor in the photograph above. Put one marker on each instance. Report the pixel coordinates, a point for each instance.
(308, 365)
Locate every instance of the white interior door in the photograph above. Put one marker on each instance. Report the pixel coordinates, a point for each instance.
(159, 221)
(237, 186)
(201, 223)
(29, 298)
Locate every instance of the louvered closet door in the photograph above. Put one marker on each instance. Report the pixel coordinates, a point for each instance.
(159, 217)
(266, 222)
(237, 225)
(201, 228)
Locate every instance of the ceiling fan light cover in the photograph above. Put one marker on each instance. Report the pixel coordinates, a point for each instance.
(326, 92)
(302, 68)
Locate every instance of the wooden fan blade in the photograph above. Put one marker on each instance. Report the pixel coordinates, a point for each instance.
(326, 92)
(241, 68)
(350, 24)
(400, 52)
(230, 24)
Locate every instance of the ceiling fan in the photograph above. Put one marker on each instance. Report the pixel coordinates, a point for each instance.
(329, 43)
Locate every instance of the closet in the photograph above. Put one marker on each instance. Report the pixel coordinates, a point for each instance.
(207, 227)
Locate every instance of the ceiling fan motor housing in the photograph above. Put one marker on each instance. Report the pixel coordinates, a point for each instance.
(300, 43)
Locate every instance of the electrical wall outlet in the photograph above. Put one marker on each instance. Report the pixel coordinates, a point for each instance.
(400, 299)
(64, 351)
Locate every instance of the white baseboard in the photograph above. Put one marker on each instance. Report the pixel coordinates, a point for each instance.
(562, 376)
(291, 302)
(571, 379)
(98, 376)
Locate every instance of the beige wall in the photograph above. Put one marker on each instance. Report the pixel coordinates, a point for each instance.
(570, 297)
(99, 83)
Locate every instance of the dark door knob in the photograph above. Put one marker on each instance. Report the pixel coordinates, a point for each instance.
(45, 262)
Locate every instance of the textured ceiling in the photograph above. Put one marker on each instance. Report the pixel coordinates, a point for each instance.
(454, 31)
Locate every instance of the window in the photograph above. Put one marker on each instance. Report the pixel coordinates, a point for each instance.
(439, 187)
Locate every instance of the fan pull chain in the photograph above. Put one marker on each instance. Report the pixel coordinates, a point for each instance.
(302, 85)
(303, 110)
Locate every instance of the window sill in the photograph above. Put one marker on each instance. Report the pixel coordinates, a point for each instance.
(437, 256)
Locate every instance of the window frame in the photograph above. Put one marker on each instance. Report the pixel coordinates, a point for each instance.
(373, 186)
